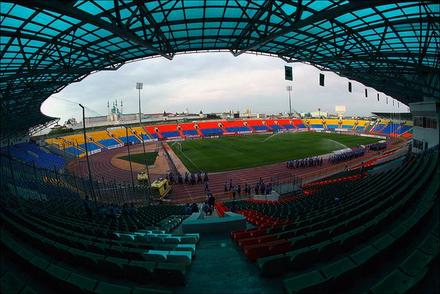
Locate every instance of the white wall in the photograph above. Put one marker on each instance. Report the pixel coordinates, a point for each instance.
(428, 109)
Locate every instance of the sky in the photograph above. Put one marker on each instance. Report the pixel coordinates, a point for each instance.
(214, 82)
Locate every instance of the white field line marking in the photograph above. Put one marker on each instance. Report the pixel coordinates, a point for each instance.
(189, 159)
(338, 143)
(270, 137)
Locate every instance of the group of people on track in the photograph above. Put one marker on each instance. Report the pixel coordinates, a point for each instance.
(260, 188)
(189, 178)
(349, 155)
(305, 162)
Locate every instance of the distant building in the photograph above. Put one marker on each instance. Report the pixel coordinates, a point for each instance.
(116, 117)
(314, 114)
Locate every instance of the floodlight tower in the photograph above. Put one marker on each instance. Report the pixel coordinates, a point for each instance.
(87, 154)
(289, 89)
(139, 87)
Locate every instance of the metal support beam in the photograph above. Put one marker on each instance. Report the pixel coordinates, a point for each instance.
(89, 18)
(319, 16)
(250, 26)
(144, 12)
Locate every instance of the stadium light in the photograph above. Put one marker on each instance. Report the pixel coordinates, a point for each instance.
(87, 153)
(289, 89)
(129, 157)
(139, 87)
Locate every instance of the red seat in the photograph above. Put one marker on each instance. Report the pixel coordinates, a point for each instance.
(247, 241)
(254, 252)
(258, 233)
(279, 246)
(267, 238)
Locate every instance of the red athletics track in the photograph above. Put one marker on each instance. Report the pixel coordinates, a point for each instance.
(102, 167)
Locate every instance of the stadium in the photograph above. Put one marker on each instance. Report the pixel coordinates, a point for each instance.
(225, 202)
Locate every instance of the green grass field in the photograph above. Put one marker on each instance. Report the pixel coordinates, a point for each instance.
(229, 153)
(140, 158)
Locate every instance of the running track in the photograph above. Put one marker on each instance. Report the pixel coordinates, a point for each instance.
(103, 169)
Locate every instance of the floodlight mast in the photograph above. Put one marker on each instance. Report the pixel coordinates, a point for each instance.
(129, 157)
(289, 89)
(92, 191)
(139, 87)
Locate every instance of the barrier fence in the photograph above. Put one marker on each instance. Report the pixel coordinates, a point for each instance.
(20, 179)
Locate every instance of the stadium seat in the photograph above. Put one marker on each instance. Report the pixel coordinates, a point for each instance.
(80, 283)
(104, 288)
(396, 282)
(310, 282)
(10, 284)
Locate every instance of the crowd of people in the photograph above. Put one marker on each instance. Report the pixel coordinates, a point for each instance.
(260, 188)
(305, 162)
(189, 178)
(349, 155)
(207, 208)
(378, 146)
(191, 208)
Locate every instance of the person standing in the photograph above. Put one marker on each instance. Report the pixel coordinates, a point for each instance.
(362, 170)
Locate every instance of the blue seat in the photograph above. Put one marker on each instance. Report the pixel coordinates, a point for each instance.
(130, 139)
(190, 133)
(90, 146)
(212, 132)
(377, 128)
(109, 143)
(73, 150)
(237, 129)
(34, 154)
(260, 128)
(170, 134)
(403, 129)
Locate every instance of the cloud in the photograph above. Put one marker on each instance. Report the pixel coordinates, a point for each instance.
(213, 82)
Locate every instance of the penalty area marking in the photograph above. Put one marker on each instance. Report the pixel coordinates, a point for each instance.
(270, 137)
(338, 143)
(189, 159)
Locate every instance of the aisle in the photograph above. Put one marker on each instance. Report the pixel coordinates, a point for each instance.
(221, 267)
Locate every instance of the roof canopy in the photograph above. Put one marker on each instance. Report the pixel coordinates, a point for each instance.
(394, 116)
(390, 45)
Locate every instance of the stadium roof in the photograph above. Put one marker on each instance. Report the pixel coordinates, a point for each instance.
(390, 45)
(393, 116)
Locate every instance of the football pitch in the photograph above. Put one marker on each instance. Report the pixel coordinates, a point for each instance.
(229, 153)
(140, 157)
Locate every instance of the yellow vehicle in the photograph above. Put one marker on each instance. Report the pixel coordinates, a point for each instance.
(142, 177)
(160, 188)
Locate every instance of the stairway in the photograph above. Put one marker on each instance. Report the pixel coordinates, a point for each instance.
(182, 135)
(114, 137)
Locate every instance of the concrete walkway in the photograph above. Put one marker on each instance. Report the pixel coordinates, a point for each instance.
(221, 267)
